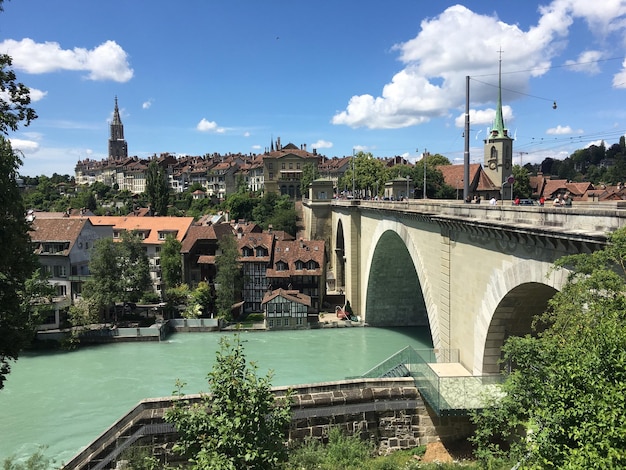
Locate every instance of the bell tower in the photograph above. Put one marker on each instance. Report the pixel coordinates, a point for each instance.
(498, 156)
(118, 148)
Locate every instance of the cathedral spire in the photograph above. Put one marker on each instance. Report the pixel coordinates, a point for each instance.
(118, 149)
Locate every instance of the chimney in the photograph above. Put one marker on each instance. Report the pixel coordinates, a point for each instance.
(304, 147)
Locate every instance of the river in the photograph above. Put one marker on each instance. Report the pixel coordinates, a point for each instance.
(64, 400)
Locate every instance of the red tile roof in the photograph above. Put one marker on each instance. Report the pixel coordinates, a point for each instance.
(291, 295)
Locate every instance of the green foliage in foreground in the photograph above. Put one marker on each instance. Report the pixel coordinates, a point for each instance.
(239, 425)
(37, 461)
(564, 405)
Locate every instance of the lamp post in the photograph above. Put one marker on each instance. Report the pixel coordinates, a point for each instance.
(408, 178)
(424, 159)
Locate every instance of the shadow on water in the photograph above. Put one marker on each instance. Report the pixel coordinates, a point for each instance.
(412, 333)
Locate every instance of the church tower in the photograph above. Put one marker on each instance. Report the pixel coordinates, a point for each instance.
(498, 157)
(118, 148)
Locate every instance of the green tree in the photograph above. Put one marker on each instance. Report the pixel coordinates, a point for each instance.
(171, 262)
(157, 189)
(310, 173)
(228, 277)
(240, 205)
(265, 207)
(203, 297)
(521, 185)
(367, 173)
(134, 271)
(568, 384)
(18, 261)
(104, 286)
(239, 424)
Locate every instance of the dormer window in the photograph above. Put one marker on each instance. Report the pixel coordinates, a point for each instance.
(312, 265)
(261, 251)
(281, 266)
(247, 251)
(299, 265)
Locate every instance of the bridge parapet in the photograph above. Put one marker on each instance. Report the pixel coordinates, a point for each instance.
(586, 221)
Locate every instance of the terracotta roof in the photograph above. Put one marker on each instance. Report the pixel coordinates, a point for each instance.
(554, 186)
(150, 226)
(195, 233)
(206, 259)
(290, 251)
(291, 295)
(253, 241)
(57, 230)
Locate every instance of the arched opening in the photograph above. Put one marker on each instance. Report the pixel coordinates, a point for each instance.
(513, 317)
(340, 258)
(394, 293)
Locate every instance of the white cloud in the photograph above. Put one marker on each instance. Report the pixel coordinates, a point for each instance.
(36, 95)
(484, 116)
(209, 126)
(456, 44)
(108, 61)
(25, 146)
(322, 144)
(246, 134)
(562, 130)
(619, 79)
(587, 62)
(147, 104)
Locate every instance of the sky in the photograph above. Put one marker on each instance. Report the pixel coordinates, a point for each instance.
(198, 77)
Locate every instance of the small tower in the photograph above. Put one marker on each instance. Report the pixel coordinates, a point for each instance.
(118, 148)
(499, 148)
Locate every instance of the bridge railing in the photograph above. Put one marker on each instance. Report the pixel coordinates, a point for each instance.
(446, 394)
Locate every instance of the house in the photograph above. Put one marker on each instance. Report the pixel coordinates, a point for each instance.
(285, 308)
(255, 250)
(283, 168)
(199, 249)
(299, 265)
(153, 232)
(479, 182)
(63, 246)
(399, 189)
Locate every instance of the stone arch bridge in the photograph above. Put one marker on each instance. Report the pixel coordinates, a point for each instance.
(474, 274)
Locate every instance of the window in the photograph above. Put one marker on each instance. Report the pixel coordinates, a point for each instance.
(271, 176)
(299, 265)
(270, 166)
(61, 290)
(270, 323)
(60, 271)
(299, 321)
(282, 166)
(291, 165)
(261, 251)
(158, 249)
(298, 166)
(281, 266)
(312, 265)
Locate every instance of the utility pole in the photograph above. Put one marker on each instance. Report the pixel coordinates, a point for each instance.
(353, 175)
(521, 154)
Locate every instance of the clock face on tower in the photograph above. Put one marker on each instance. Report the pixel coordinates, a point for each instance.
(492, 165)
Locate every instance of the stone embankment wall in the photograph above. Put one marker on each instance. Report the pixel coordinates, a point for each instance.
(389, 412)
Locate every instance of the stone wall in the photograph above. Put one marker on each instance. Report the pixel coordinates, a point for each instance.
(389, 412)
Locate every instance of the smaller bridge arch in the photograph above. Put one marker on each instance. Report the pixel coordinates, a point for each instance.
(513, 297)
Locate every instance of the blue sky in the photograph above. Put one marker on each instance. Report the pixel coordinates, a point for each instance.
(204, 76)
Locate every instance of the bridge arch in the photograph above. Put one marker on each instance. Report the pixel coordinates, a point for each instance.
(397, 289)
(514, 296)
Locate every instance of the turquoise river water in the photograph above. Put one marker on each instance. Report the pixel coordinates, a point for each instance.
(64, 400)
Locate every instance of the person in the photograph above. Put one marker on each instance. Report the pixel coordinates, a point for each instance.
(557, 201)
(493, 201)
(478, 199)
(516, 201)
(542, 201)
(567, 201)
(468, 200)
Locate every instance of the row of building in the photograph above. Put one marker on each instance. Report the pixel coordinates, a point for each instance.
(280, 273)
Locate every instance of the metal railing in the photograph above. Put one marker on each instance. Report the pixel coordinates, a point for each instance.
(446, 395)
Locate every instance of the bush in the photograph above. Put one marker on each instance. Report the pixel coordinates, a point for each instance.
(255, 317)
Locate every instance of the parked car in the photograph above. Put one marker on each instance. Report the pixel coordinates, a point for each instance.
(527, 202)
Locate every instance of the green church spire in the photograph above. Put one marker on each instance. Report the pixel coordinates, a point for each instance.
(499, 131)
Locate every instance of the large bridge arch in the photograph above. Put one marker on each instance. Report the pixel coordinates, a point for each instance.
(396, 286)
(514, 296)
